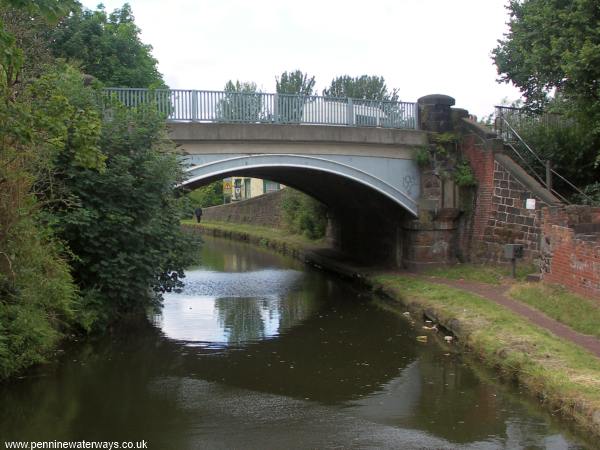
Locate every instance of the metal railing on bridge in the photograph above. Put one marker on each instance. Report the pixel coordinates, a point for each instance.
(257, 107)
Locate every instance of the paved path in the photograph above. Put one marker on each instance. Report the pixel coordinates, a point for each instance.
(497, 294)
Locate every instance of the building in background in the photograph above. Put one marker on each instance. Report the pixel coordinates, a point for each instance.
(243, 188)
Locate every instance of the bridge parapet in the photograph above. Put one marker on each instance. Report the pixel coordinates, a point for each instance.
(185, 105)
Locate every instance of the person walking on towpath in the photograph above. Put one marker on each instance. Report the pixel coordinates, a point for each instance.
(198, 214)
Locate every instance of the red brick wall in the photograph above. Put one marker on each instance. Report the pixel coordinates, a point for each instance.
(482, 163)
(569, 257)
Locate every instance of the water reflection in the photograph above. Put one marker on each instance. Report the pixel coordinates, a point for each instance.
(233, 308)
(238, 295)
(277, 358)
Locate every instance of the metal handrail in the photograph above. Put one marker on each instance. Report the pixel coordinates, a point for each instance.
(546, 183)
(258, 107)
(521, 140)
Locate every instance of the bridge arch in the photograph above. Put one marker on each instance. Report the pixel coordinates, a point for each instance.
(313, 174)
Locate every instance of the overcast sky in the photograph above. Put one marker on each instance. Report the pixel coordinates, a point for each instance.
(420, 47)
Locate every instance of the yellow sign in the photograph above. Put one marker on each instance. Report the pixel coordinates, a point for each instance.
(227, 187)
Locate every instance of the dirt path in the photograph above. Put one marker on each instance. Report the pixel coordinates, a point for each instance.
(498, 294)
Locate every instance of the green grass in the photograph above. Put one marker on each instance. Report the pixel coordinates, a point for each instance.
(577, 312)
(488, 273)
(562, 373)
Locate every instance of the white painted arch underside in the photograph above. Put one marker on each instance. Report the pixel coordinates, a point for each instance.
(231, 164)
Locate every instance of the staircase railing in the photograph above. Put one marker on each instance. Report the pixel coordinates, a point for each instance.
(540, 169)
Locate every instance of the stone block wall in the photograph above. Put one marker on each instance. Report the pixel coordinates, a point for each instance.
(264, 211)
(570, 250)
(500, 215)
(510, 221)
(430, 243)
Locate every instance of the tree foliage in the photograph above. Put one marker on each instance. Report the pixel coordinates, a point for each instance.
(124, 228)
(89, 224)
(241, 103)
(553, 47)
(296, 82)
(108, 47)
(552, 54)
(365, 87)
(303, 214)
(38, 298)
(206, 196)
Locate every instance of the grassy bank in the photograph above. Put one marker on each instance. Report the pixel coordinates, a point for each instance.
(563, 376)
(479, 273)
(579, 313)
(283, 241)
(573, 310)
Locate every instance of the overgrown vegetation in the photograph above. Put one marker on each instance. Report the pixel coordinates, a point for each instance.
(463, 175)
(206, 196)
(551, 54)
(423, 156)
(303, 214)
(572, 150)
(89, 223)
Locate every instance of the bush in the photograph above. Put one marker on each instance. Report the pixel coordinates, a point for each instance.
(303, 214)
(591, 197)
(464, 176)
(125, 228)
(571, 149)
(38, 298)
(204, 197)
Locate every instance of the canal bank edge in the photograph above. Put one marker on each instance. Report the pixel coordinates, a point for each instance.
(564, 377)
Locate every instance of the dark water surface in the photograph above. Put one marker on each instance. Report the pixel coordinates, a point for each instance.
(259, 352)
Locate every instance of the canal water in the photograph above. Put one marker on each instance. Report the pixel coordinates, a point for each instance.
(259, 352)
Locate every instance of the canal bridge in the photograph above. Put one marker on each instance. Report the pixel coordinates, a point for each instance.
(312, 143)
(358, 157)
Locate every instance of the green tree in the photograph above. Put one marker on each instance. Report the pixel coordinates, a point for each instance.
(63, 171)
(303, 214)
(296, 82)
(553, 46)
(124, 226)
(108, 47)
(365, 87)
(240, 103)
(552, 54)
(206, 196)
(293, 88)
(38, 298)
